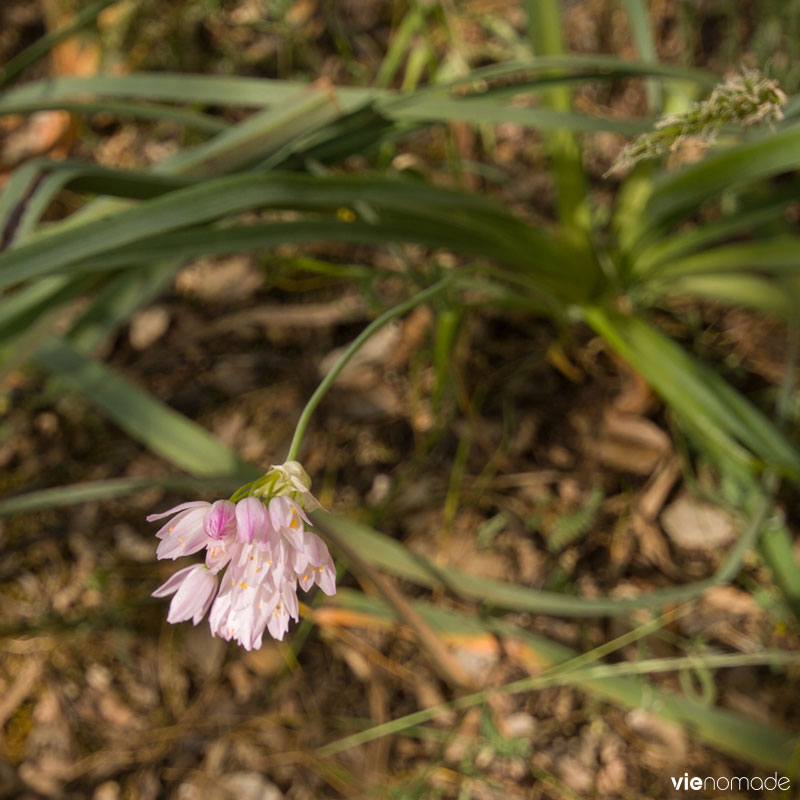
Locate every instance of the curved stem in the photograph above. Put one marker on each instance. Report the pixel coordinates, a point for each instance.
(351, 350)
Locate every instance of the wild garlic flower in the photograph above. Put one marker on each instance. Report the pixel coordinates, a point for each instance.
(264, 545)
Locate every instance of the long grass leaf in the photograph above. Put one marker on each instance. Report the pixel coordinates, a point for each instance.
(75, 494)
(494, 111)
(776, 255)
(260, 92)
(639, 24)
(17, 192)
(679, 195)
(194, 120)
(563, 148)
(224, 196)
(171, 87)
(392, 556)
(716, 411)
(265, 133)
(163, 430)
(732, 733)
(538, 70)
(431, 230)
(773, 298)
(760, 212)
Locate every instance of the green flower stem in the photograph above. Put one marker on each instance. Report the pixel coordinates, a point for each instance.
(372, 328)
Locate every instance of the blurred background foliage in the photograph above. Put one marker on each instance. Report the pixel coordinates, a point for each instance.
(563, 467)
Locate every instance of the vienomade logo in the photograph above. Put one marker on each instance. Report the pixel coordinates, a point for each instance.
(724, 784)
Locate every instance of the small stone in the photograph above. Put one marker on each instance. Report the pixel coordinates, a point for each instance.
(696, 525)
(249, 786)
(148, 326)
(110, 790)
(519, 724)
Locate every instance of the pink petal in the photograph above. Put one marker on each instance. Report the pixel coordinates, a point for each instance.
(326, 579)
(168, 527)
(186, 538)
(176, 509)
(173, 582)
(194, 596)
(306, 578)
(279, 512)
(216, 558)
(220, 611)
(300, 562)
(220, 521)
(251, 520)
(315, 549)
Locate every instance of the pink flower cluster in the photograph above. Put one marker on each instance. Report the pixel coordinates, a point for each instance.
(264, 543)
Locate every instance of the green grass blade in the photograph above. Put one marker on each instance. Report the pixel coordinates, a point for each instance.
(263, 133)
(33, 186)
(777, 255)
(28, 315)
(16, 194)
(214, 199)
(21, 308)
(761, 212)
(163, 430)
(392, 556)
(544, 28)
(260, 136)
(539, 71)
(717, 413)
(679, 195)
(193, 120)
(777, 548)
(432, 230)
(494, 111)
(49, 184)
(639, 23)
(400, 43)
(260, 92)
(266, 132)
(41, 47)
(76, 494)
(752, 741)
(172, 87)
(773, 298)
